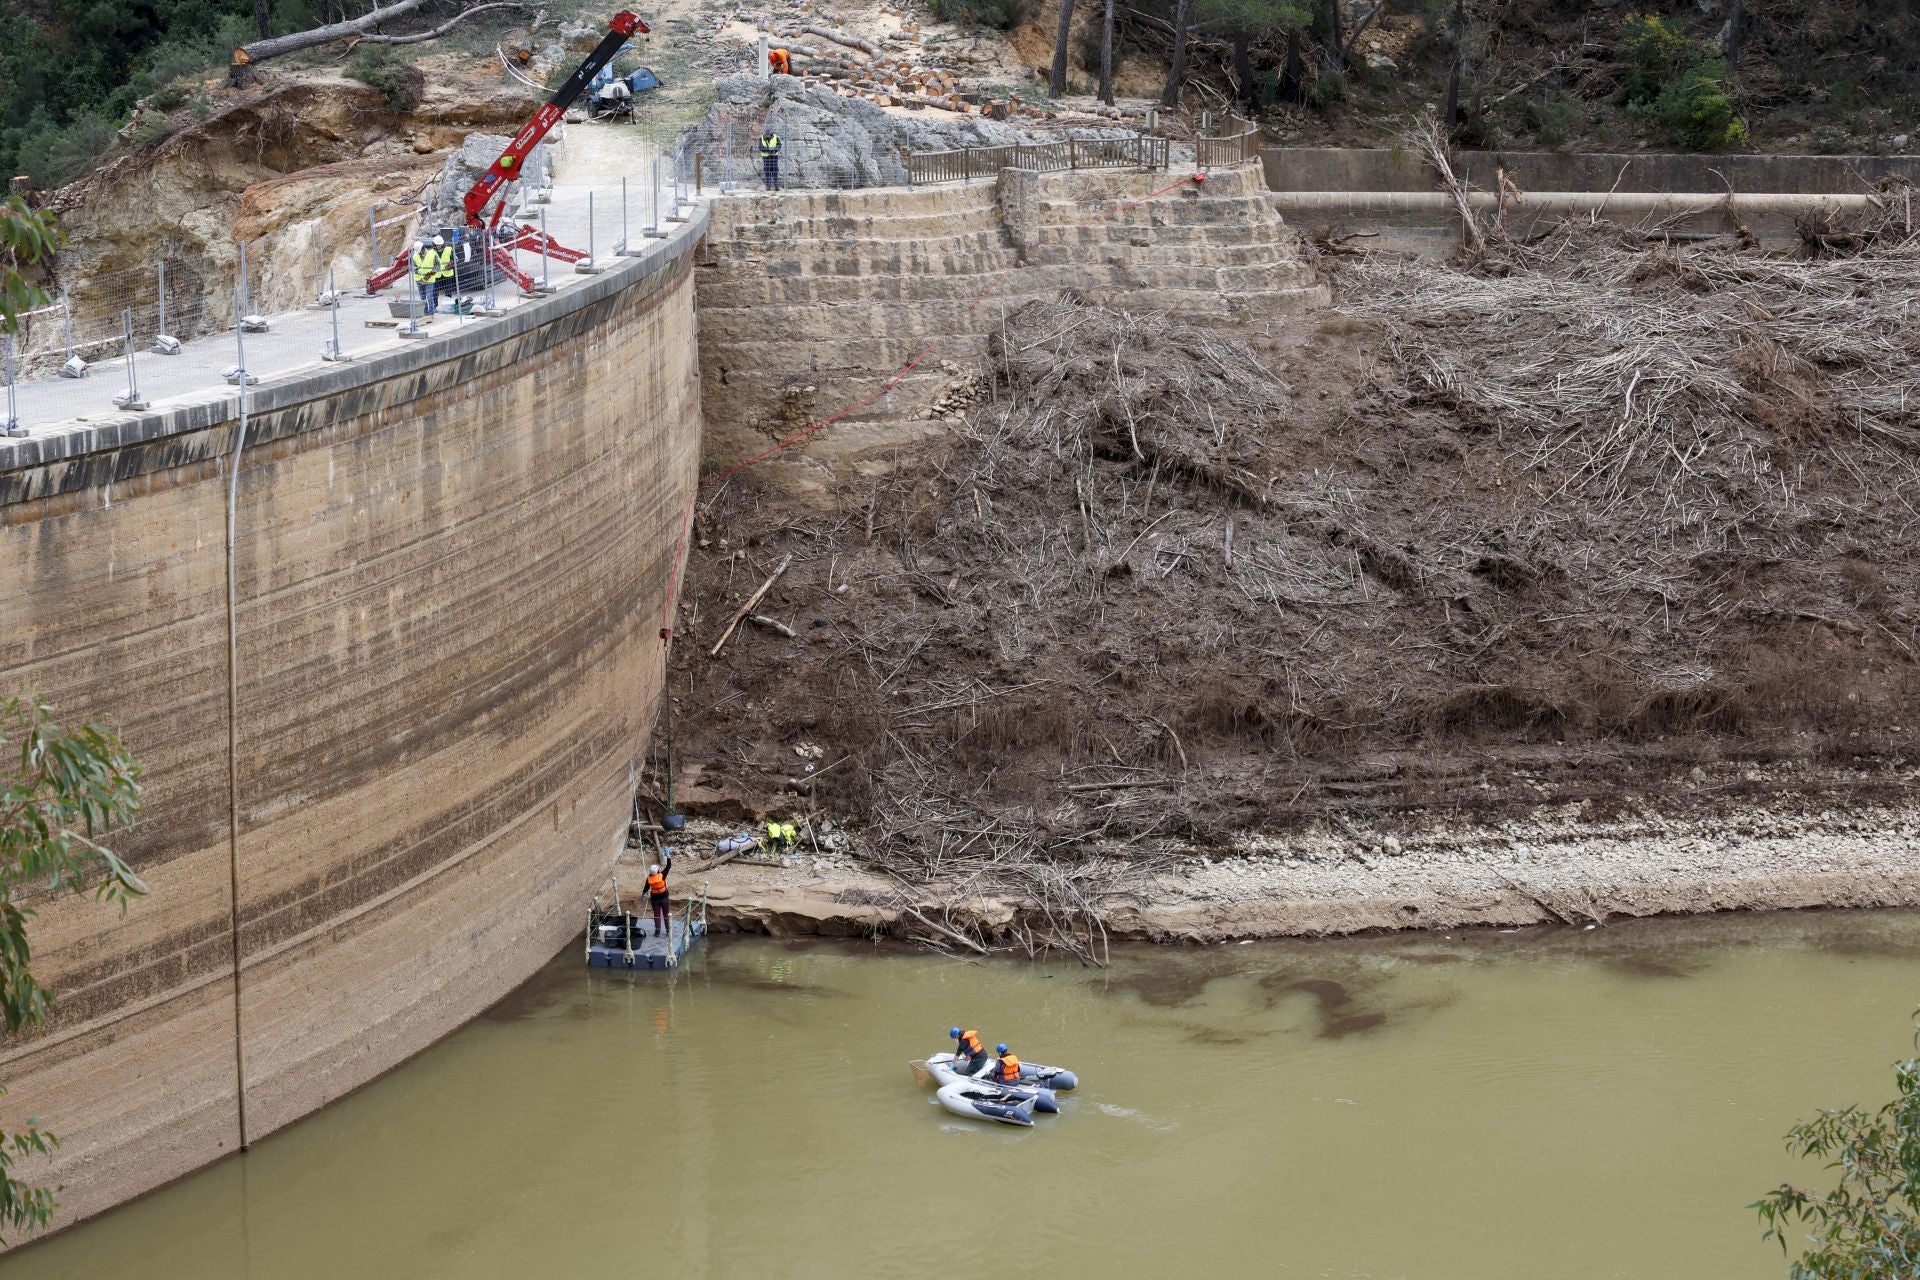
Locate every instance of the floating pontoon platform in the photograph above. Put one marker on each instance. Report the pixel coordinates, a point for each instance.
(617, 939)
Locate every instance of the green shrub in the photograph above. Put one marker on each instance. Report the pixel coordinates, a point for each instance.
(53, 155)
(1697, 111)
(1328, 89)
(399, 82)
(1655, 53)
(168, 98)
(1555, 117)
(150, 130)
(1001, 15)
(1679, 86)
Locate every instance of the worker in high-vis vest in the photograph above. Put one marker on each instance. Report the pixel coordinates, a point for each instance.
(426, 268)
(973, 1054)
(770, 160)
(657, 898)
(776, 837)
(779, 62)
(443, 269)
(1009, 1065)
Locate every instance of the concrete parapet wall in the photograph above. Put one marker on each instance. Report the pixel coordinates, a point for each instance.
(452, 564)
(1374, 169)
(812, 301)
(1426, 222)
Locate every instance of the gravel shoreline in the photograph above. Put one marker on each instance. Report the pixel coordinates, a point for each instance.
(1551, 866)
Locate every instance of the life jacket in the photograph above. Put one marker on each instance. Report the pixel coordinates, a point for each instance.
(657, 885)
(424, 266)
(970, 1045)
(1009, 1068)
(769, 145)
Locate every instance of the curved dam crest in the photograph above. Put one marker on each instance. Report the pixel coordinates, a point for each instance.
(452, 565)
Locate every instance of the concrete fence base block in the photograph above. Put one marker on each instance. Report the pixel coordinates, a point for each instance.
(405, 331)
(585, 269)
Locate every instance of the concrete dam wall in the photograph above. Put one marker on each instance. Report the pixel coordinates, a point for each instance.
(451, 567)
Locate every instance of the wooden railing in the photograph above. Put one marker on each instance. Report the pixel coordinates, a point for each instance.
(1072, 153)
(1242, 147)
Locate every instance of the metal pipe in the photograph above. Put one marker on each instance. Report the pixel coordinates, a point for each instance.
(545, 264)
(332, 350)
(653, 216)
(132, 399)
(11, 426)
(233, 737)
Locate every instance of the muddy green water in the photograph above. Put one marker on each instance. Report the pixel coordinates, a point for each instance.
(1552, 1103)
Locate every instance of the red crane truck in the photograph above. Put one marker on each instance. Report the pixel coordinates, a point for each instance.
(499, 243)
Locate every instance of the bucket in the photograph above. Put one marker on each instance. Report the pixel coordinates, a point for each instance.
(674, 822)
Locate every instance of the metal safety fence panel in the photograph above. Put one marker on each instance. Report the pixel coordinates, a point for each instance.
(1137, 152)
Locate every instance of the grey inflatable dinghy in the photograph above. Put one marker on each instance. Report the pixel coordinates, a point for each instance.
(981, 1101)
(1032, 1074)
(945, 1070)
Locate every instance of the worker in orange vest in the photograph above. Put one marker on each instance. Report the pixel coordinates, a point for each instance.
(971, 1050)
(779, 62)
(657, 898)
(1009, 1065)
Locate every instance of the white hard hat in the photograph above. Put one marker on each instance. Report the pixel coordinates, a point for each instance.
(654, 869)
(419, 244)
(438, 240)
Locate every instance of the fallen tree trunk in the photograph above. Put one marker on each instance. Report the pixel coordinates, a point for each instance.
(362, 27)
(852, 42)
(446, 26)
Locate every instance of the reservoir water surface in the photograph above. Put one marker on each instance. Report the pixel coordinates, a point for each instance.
(1532, 1105)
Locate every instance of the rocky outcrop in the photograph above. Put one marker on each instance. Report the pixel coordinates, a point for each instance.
(828, 141)
(291, 168)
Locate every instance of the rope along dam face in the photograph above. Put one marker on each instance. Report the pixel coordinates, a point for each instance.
(391, 674)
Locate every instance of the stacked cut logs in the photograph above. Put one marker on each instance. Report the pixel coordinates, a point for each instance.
(882, 74)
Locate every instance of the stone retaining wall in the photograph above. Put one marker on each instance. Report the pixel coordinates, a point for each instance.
(813, 301)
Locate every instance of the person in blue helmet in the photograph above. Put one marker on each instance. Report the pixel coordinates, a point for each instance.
(973, 1053)
(1008, 1071)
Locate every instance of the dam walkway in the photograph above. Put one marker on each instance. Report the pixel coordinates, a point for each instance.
(589, 207)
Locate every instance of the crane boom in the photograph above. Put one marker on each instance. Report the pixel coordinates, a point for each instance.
(497, 246)
(507, 167)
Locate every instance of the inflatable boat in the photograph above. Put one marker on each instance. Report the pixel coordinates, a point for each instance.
(1032, 1074)
(944, 1068)
(982, 1101)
